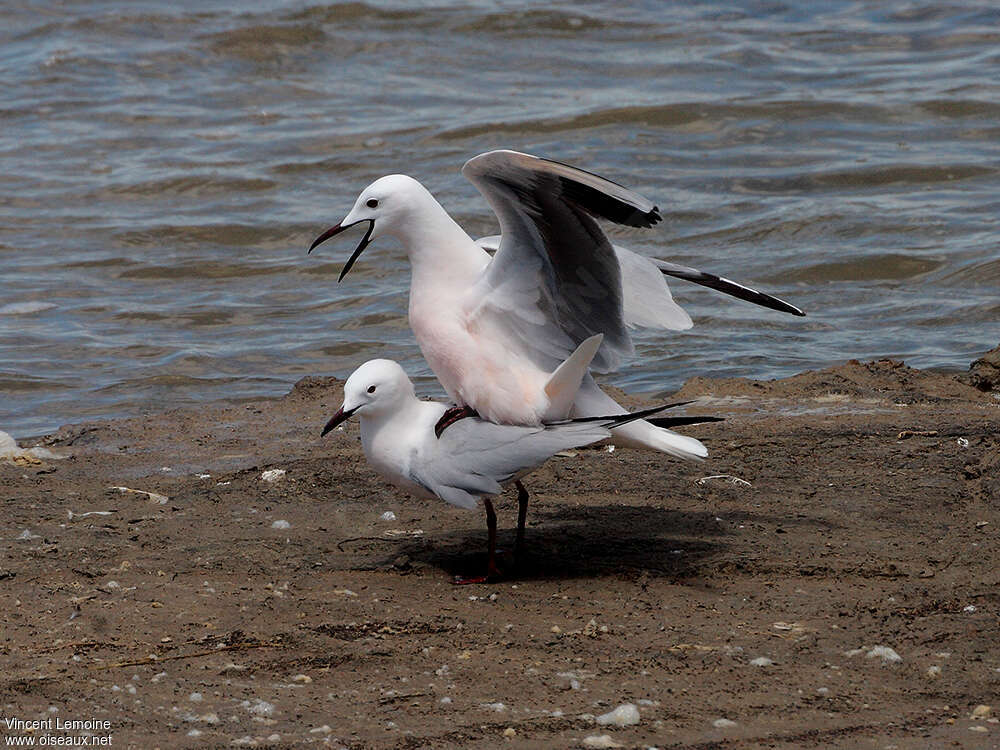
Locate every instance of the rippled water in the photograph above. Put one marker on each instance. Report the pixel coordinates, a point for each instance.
(164, 166)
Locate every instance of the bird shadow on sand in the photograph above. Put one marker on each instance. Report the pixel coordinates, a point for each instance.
(582, 542)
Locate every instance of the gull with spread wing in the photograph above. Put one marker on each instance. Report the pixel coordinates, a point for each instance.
(492, 328)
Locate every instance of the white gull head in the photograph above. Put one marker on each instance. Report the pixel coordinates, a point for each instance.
(392, 202)
(378, 386)
(378, 389)
(398, 206)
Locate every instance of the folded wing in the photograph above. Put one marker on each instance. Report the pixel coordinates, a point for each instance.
(474, 457)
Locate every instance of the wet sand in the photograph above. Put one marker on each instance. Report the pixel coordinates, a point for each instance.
(865, 514)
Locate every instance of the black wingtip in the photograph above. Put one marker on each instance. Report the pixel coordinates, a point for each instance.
(651, 218)
(671, 422)
(731, 288)
(608, 207)
(617, 420)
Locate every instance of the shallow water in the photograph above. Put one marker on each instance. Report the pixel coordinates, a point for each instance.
(163, 169)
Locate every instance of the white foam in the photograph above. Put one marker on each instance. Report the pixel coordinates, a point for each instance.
(25, 308)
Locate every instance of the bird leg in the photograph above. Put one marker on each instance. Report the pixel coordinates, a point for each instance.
(492, 571)
(522, 515)
(452, 415)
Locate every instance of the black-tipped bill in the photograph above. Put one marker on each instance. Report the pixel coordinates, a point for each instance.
(335, 230)
(336, 419)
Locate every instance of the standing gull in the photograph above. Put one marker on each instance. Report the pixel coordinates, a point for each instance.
(472, 458)
(493, 328)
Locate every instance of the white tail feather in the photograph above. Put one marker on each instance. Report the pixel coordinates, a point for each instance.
(642, 434)
(592, 401)
(564, 383)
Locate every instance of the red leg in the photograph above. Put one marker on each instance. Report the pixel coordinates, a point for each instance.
(452, 415)
(492, 571)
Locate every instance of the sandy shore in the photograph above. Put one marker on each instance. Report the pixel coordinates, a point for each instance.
(844, 592)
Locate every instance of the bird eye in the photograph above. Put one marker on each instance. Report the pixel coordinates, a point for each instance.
(371, 203)
(371, 389)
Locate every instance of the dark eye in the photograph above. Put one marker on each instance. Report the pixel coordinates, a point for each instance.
(371, 203)
(371, 389)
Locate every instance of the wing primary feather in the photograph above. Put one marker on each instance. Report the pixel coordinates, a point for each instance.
(608, 207)
(726, 286)
(671, 422)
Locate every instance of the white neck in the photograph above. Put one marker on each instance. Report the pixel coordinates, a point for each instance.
(442, 255)
(391, 439)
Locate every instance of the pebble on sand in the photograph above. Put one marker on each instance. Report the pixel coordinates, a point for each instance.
(273, 475)
(388, 516)
(885, 653)
(600, 741)
(761, 661)
(259, 707)
(724, 724)
(281, 524)
(982, 711)
(625, 715)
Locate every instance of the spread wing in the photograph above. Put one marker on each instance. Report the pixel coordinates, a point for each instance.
(555, 279)
(646, 304)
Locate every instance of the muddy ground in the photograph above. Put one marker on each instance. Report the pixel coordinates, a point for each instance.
(732, 614)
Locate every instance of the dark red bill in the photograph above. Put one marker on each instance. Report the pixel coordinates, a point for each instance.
(338, 418)
(335, 230)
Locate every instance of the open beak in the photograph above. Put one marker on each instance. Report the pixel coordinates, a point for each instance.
(335, 230)
(336, 419)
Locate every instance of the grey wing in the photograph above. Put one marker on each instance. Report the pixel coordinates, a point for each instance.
(647, 300)
(474, 457)
(555, 279)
